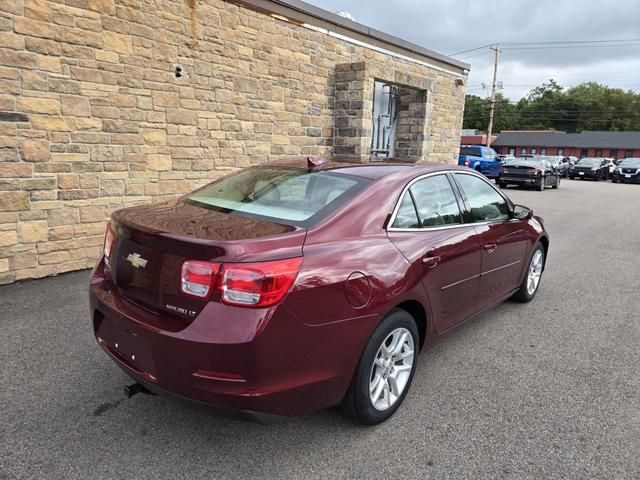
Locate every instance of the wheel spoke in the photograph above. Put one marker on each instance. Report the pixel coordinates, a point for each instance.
(393, 384)
(387, 394)
(377, 389)
(397, 348)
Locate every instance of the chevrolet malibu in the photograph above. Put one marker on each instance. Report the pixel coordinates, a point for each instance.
(294, 286)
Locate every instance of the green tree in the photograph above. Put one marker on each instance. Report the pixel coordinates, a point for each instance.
(588, 106)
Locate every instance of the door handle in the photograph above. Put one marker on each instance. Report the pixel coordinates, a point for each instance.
(430, 261)
(490, 247)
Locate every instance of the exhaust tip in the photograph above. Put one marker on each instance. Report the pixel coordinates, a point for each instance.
(134, 389)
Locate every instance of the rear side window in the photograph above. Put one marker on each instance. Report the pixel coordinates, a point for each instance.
(433, 203)
(485, 202)
(407, 217)
(282, 194)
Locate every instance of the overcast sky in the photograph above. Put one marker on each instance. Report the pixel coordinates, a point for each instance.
(449, 26)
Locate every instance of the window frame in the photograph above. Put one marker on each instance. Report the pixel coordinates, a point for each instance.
(406, 191)
(463, 203)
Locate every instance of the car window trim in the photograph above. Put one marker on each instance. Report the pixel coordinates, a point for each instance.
(466, 200)
(406, 190)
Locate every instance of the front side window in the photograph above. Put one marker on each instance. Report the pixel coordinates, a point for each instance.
(486, 204)
(432, 202)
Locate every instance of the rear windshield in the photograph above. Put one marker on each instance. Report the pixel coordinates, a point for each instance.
(286, 195)
(524, 162)
(474, 151)
(630, 163)
(589, 162)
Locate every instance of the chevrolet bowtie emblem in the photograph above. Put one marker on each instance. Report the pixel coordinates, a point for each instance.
(136, 260)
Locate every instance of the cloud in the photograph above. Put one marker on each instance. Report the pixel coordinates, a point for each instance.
(451, 26)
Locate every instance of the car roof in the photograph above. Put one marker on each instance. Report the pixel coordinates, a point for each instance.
(372, 170)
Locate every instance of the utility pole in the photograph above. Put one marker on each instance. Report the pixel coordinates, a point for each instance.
(496, 50)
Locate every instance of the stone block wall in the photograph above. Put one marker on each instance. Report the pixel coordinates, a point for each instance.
(93, 117)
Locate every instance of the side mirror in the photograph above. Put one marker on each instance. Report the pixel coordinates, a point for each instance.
(522, 213)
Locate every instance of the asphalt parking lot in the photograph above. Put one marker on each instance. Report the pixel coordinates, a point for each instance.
(547, 390)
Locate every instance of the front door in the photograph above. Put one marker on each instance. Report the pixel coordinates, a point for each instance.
(503, 240)
(445, 253)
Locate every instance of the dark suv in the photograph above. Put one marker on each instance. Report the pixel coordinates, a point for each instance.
(627, 171)
(590, 167)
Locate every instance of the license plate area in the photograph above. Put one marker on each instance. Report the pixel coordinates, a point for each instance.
(627, 175)
(580, 173)
(126, 342)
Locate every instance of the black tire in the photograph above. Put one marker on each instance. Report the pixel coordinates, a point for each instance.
(571, 177)
(356, 404)
(614, 180)
(557, 184)
(502, 185)
(523, 295)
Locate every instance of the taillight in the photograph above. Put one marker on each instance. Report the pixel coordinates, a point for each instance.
(467, 162)
(260, 284)
(198, 278)
(107, 247)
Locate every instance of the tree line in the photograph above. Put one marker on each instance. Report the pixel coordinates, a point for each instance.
(588, 106)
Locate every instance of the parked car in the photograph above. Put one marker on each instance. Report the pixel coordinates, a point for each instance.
(530, 172)
(572, 160)
(627, 171)
(561, 163)
(503, 158)
(590, 167)
(612, 166)
(481, 159)
(293, 286)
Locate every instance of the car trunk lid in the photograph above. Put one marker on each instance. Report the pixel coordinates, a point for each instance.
(152, 242)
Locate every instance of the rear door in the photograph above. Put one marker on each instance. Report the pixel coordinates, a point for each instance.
(503, 240)
(429, 230)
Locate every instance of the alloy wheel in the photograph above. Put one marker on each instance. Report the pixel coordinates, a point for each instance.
(535, 272)
(391, 369)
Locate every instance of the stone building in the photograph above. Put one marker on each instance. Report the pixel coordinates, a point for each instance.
(108, 103)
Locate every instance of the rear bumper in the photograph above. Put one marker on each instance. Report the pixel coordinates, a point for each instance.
(633, 178)
(531, 181)
(591, 175)
(251, 361)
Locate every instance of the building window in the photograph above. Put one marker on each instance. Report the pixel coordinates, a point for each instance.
(523, 151)
(628, 153)
(543, 151)
(561, 151)
(534, 151)
(512, 151)
(598, 153)
(584, 153)
(613, 154)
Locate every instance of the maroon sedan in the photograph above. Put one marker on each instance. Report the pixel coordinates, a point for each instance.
(290, 287)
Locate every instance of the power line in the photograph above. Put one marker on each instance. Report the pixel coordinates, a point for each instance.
(571, 46)
(551, 44)
(471, 50)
